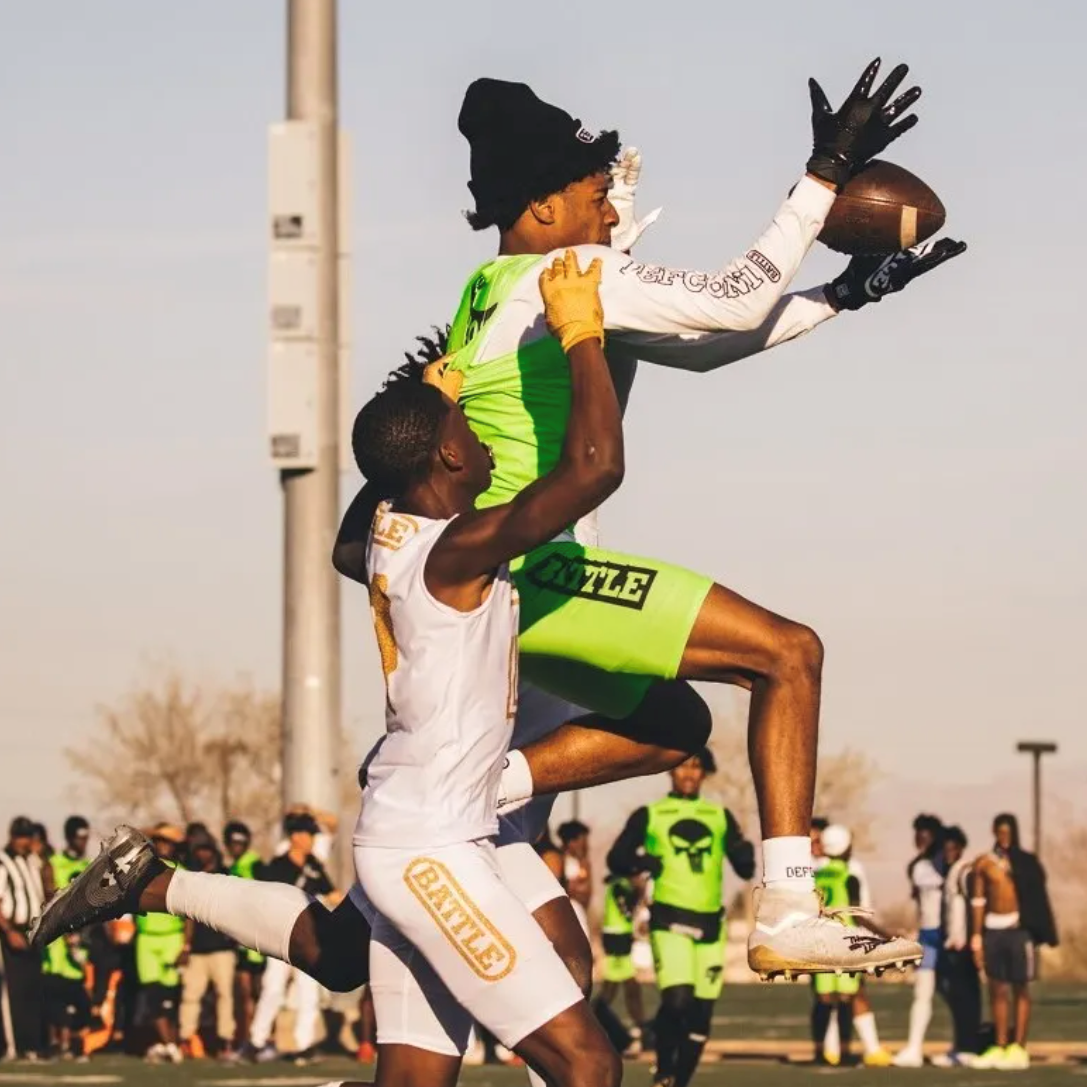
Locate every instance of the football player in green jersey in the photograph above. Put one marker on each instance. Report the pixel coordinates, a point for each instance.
(682, 842)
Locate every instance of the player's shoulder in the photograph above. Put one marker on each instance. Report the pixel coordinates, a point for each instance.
(586, 254)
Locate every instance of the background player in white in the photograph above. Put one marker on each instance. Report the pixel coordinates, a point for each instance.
(926, 885)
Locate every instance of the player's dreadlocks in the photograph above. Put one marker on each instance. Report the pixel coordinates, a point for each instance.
(396, 431)
(430, 350)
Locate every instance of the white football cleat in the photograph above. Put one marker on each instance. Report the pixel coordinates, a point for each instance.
(795, 935)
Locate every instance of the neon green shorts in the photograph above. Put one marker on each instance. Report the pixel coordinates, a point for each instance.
(618, 968)
(679, 960)
(844, 984)
(156, 956)
(598, 627)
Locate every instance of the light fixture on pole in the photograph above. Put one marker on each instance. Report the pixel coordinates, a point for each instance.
(1037, 749)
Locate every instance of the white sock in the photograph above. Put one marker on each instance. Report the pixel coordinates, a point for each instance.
(516, 781)
(865, 1026)
(924, 985)
(258, 915)
(831, 1045)
(787, 862)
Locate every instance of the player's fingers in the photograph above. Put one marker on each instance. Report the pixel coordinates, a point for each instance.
(901, 128)
(634, 166)
(868, 77)
(570, 265)
(819, 101)
(594, 271)
(943, 250)
(901, 104)
(890, 84)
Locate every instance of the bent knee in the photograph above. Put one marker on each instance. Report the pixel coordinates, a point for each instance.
(342, 976)
(680, 716)
(801, 649)
(598, 1066)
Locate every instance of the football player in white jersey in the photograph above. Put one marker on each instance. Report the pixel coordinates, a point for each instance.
(446, 613)
(451, 942)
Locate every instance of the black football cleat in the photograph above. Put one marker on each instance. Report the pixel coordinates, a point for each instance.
(108, 888)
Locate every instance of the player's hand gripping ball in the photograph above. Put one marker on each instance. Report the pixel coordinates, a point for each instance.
(882, 209)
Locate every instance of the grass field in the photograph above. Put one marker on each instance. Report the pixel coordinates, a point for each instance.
(756, 1030)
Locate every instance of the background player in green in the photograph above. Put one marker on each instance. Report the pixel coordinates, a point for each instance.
(160, 939)
(841, 890)
(245, 862)
(621, 897)
(682, 842)
(64, 966)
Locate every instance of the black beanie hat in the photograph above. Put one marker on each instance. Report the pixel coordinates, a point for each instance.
(524, 149)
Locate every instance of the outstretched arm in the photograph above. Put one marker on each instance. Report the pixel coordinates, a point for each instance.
(865, 280)
(591, 464)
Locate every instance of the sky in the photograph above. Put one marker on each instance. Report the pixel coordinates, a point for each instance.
(908, 480)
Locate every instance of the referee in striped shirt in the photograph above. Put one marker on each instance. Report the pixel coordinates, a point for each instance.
(21, 898)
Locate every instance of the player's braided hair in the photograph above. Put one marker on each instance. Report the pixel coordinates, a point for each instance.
(396, 431)
(431, 348)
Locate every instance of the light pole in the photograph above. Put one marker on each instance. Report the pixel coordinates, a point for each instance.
(304, 397)
(1037, 749)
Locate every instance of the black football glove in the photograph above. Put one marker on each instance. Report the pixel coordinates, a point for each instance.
(844, 141)
(868, 279)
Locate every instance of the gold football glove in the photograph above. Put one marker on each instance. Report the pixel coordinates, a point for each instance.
(572, 300)
(448, 381)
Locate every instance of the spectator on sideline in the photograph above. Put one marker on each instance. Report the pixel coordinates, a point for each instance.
(621, 897)
(21, 899)
(956, 972)
(926, 884)
(1011, 916)
(160, 938)
(68, 1004)
(864, 1019)
(576, 868)
(207, 959)
(245, 862)
(299, 867)
(41, 852)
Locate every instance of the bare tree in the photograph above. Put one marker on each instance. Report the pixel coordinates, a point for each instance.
(174, 749)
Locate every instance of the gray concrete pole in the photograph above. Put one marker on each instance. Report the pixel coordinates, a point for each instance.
(311, 599)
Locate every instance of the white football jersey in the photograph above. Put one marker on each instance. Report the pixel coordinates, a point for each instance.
(451, 686)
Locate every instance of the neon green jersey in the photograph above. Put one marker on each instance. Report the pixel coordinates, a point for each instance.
(60, 959)
(689, 837)
(832, 878)
(519, 401)
(516, 391)
(66, 868)
(617, 919)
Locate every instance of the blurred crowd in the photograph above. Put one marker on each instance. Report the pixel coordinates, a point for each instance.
(167, 989)
(156, 985)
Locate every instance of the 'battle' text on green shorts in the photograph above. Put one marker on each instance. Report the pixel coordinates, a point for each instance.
(597, 627)
(584, 611)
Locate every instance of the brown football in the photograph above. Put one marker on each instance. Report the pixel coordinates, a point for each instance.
(882, 209)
